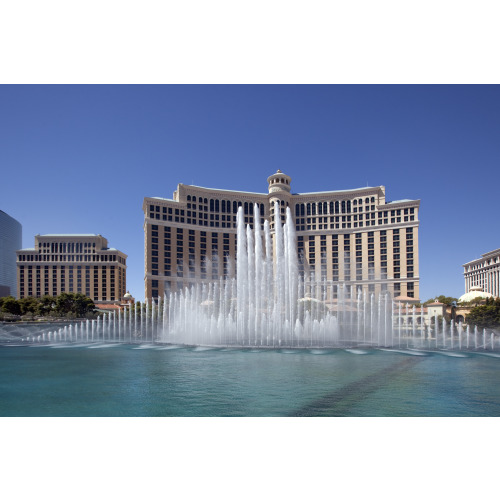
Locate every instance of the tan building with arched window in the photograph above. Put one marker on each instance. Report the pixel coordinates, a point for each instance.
(353, 237)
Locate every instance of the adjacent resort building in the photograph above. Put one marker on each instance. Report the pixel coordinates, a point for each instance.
(73, 263)
(484, 273)
(10, 241)
(351, 237)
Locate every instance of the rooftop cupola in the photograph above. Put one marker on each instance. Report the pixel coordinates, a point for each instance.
(279, 182)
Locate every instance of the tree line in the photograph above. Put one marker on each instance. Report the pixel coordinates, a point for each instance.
(485, 316)
(65, 305)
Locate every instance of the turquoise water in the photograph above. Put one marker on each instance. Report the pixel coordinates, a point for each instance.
(124, 380)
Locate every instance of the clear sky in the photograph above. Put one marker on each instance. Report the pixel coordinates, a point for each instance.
(80, 159)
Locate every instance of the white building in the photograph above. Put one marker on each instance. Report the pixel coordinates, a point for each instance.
(484, 273)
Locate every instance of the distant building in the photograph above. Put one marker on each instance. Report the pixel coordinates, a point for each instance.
(351, 237)
(124, 304)
(484, 273)
(73, 263)
(10, 241)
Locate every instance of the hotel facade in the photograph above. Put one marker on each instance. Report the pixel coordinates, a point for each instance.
(72, 263)
(351, 237)
(484, 273)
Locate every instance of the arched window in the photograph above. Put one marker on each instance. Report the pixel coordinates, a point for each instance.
(216, 205)
(297, 210)
(332, 207)
(212, 205)
(308, 209)
(367, 200)
(343, 206)
(188, 197)
(223, 206)
(373, 199)
(235, 207)
(337, 210)
(348, 206)
(313, 209)
(320, 208)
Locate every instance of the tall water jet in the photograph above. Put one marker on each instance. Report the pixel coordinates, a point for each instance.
(270, 304)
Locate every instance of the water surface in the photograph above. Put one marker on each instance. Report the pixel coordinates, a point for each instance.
(124, 380)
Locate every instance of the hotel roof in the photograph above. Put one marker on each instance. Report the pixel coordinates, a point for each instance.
(65, 235)
(339, 191)
(293, 194)
(399, 201)
(483, 257)
(265, 194)
(224, 190)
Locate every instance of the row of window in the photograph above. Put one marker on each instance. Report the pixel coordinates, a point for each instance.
(301, 210)
(314, 226)
(71, 268)
(346, 287)
(332, 207)
(38, 293)
(69, 258)
(221, 206)
(75, 247)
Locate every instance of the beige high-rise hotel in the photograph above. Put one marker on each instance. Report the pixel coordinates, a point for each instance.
(484, 273)
(353, 237)
(72, 263)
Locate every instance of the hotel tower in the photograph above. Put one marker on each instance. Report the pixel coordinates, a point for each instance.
(351, 237)
(74, 263)
(484, 273)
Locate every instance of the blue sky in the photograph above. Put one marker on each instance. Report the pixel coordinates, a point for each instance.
(80, 159)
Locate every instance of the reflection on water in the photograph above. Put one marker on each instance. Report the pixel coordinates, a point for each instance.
(178, 381)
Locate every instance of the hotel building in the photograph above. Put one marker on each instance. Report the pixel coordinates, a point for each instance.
(72, 263)
(484, 273)
(352, 237)
(10, 241)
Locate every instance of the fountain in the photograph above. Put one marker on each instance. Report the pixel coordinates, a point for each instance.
(269, 305)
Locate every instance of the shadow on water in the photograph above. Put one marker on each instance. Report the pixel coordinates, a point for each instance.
(339, 402)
